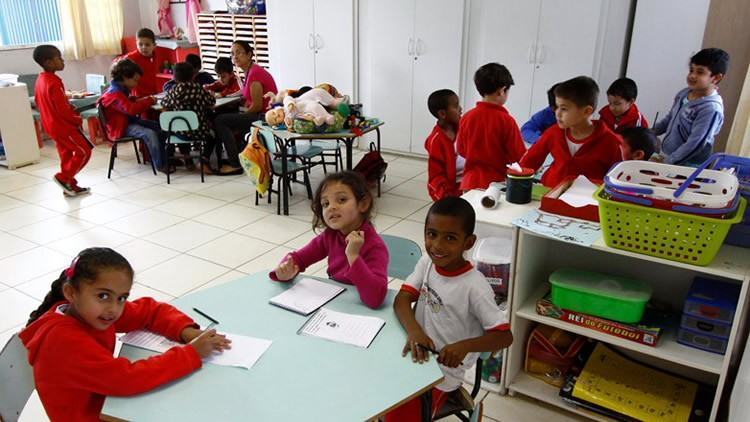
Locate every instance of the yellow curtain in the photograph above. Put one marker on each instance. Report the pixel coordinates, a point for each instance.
(739, 136)
(91, 27)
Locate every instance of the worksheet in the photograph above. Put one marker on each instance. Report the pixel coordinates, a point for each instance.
(341, 327)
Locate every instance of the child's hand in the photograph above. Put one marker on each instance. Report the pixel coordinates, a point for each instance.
(209, 342)
(287, 270)
(354, 243)
(452, 355)
(418, 354)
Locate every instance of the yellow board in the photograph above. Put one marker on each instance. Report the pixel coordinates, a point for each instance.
(614, 382)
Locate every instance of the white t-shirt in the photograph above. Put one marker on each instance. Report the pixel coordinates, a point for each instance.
(454, 307)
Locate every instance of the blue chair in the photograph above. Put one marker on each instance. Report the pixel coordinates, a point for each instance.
(292, 168)
(101, 115)
(172, 122)
(330, 149)
(461, 403)
(404, 255)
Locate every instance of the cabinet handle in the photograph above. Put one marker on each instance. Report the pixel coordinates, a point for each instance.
(410, 47)
(420, 47)
(310, 41)
(531, 53)
(318, 42)
(540, 54)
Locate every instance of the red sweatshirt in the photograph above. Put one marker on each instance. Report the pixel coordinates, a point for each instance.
(631, 118)
(441, 165)
(488, 138)
(118, 108)
(58, 115)
(598, 152)
(73, 364)
(230, 88)
(148, 84)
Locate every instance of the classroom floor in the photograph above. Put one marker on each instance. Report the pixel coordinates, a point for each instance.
(180, 237)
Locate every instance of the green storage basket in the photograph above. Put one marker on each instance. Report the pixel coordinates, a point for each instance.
(676, 236)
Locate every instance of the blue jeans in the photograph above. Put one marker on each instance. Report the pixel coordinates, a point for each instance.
(153, 142)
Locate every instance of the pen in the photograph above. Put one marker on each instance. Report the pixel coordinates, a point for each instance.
(430, 349)
(213, 321)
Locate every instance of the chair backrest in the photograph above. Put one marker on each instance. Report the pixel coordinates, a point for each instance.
(177, 121)
(404, 255)
(94, 82)
(17, 379)
(101, 116)
(30, 81)
(268, 140)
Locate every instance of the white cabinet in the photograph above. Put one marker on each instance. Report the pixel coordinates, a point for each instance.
(409, 49)
(17, 128)
(312, 42)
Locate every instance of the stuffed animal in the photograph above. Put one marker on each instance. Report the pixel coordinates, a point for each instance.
(306, 109)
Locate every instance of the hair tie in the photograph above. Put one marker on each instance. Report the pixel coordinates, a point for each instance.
(71, 271)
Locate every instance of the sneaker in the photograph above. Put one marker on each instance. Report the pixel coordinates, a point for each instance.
(66, 187)
(81, 191)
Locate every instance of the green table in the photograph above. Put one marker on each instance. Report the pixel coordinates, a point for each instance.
(79, 104)
(298, 378)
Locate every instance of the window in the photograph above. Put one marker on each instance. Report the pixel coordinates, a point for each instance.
(24, 22)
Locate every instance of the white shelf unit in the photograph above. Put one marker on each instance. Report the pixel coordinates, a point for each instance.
(536, 257)
(217, 32)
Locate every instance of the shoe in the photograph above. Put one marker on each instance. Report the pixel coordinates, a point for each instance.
(168, 169)
(66, 187)
(207, 169)
(227, 170)
(81, 191)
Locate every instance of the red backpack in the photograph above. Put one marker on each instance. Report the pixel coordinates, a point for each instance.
(372, 166)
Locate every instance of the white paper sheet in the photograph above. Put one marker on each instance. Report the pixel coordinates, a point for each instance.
(306, 296)
(580, 193)
(244, 353)
(341, 327)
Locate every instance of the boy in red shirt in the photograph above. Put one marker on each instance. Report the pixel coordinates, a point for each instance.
(227, 83)
(145, 57)
(60, 120)
(442, 166)
(578, 145)
(488, 136)
(622, 113)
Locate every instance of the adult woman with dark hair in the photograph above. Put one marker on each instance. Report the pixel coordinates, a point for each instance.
(257, 83)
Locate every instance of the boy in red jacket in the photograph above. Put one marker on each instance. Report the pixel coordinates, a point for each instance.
(146, 58)
(442, 171)
(60, 120)
(578, 145)
(621, 112)
(488, 136)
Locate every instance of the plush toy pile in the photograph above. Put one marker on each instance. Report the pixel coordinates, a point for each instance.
(309, 110)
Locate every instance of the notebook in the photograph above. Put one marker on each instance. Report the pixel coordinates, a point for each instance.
(341, 327)
(306, 296)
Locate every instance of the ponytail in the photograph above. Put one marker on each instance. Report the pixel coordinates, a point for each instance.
(85, 266)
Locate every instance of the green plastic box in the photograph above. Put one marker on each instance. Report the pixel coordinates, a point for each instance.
(616, 298)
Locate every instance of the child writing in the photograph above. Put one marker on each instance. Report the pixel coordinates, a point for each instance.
(578, 145)
(121, 112)
(638, 143)
(541, 120)
(202, 78)
(444, 164)
(488, 136)
(697, 113)
(71, 338)
(456, 314)
(621, 112)
(146, 58)
(356, 253)
(227, 83)
(60, 121)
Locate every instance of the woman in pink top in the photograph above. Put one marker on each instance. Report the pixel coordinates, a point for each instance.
(257, 83)
(356, 253)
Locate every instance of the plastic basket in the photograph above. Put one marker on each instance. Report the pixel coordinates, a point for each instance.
(674, 206)
(740, 165)
(664, 234)
(683, 185)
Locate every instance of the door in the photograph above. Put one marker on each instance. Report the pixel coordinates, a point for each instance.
(437, 60)
(291, 40)
(334, 43)
(389, 26)
(568, 34)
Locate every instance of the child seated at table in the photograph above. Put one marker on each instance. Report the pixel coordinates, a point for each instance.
(71, 338)
(456, 315)
(227, 83)
(444, 165)
(356, 253)
(146, 58)
(203, 78)
(188, 94)
(621, 112)
(638, 143)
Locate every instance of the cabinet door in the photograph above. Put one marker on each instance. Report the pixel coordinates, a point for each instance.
(437, 60)
(503, 31)
(291, 40)
(334, 44)
(389, 27)
(566, 46)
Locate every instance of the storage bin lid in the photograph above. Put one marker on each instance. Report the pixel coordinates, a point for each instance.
(614, 287)
(712, 292)
(493, 250)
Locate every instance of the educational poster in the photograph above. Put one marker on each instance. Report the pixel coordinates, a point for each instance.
(567, 229)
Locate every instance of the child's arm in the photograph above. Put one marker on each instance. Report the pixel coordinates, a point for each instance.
(453, 354)
(439, 175)
(706, 124)
(63, 109)
(297, 261)
(514, 144)
(534, 157)
(369, 271)
(133, 108)
(161, 318)
(415, 335)
(532, 130)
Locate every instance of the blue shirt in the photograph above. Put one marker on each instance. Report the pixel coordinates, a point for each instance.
(537, 124)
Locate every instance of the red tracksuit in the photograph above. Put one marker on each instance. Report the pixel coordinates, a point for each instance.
(598, 152)
(218, 86)
(441, 165)
(148, 84)
(488, 138)
(62, 124)
(631, 118)
(118, 108)
(74, 369)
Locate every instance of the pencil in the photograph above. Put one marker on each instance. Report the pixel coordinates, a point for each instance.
(206, 316)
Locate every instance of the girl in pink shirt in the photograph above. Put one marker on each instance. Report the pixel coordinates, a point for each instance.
(356, 253)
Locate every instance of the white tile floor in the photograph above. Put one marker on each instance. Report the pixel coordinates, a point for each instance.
(179, 237)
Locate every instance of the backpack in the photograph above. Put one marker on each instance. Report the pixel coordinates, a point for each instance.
(372, 166)
(256, 161)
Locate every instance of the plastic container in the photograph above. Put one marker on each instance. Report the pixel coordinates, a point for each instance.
(518, 185)
(711, 299)
(492, 368)
(616, 298)
(702, 341)
(706, 326)
(492, 256)
(676, 236)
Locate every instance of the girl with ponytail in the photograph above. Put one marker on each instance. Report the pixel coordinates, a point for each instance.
(71, 338)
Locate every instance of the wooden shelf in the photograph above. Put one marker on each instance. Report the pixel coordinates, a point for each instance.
(216, 32)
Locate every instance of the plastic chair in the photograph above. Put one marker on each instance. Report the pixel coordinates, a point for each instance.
(292, 168)
(465, 408)
(179, 121)
(18, 379)
(404, 255)
(330, 149)
(114, 142)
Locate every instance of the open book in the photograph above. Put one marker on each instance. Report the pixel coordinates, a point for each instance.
(341, 327)
(306, 296)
